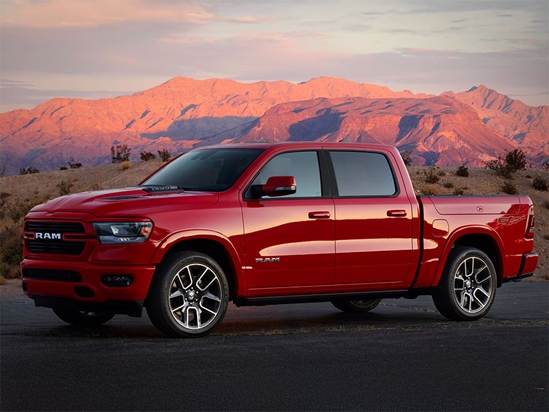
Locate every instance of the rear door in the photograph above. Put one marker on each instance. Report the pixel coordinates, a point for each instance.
(373, 220)
(290, 239)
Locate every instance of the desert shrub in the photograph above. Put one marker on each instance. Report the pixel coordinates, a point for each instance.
(500, 167)
(16, 210)
(73, 164)
(120, 154)
(448, 185)
(8, 272)
(431, 190)
(546, 166)
(540, 183)
(4, 195)
(459, 191)
(462, 171)
(505, 167)
(96, 186)
(63, 168)
(546, 237)
(64, 187)
(509, 188)
(442, 173)
(528, 176)
(406, 157)
(546, 204)
(146, 156)
(164, 154)
(29, 171)
(126, 165)
(516, 160)
(431, 175)
(12, 246)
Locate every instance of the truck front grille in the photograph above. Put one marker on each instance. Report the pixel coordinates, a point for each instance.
(48, 237)
(63, 248)
(59, 227)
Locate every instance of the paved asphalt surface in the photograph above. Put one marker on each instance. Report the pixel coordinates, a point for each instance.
(301, 357)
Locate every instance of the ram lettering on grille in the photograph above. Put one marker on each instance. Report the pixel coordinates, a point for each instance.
(52, 236)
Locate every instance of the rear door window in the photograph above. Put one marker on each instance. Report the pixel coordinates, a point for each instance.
(363, 174)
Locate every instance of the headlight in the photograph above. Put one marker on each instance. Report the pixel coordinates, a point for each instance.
(122, 232)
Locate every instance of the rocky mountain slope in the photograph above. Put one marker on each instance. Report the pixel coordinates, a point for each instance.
(183, 113)
(438, 130)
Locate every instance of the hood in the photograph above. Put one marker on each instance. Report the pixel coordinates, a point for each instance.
(131, 201)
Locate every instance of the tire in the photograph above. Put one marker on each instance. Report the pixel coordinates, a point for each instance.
(83, 318)
(468, 285)
(356, 306)
(188, 296)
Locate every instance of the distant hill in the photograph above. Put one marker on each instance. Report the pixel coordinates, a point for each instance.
(454, 129)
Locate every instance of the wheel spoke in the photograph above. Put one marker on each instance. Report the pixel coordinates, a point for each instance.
(179, 307)
(176, 294)
(477, 300)
(481, 289)
(208, 310)
(485, 279)
(211, 296)
(463, 302)
(214, 278)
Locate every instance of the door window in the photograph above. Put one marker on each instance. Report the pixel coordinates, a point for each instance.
(363, 174)
(303, 166)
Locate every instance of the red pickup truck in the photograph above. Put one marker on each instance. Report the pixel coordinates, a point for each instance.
(261, 224)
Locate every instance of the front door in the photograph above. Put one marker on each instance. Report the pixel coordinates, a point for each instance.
(290, 239)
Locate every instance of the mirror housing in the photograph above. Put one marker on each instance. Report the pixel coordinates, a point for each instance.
(276, 186)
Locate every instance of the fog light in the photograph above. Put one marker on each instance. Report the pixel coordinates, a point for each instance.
(117, 280)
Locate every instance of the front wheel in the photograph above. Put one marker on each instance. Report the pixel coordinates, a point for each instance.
(83, 318)
(468, 285)
(356, 306)
(188, 296)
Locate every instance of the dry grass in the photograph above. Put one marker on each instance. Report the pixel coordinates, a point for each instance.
(21, 192)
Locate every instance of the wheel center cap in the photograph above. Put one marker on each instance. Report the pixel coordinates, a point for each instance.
(191, 294)
(468, 284)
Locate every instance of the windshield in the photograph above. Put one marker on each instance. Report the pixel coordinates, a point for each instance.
(212, 170)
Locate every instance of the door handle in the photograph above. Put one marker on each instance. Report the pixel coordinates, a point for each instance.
(319, 215)
(396, 213)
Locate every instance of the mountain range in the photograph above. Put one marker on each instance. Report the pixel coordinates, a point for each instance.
(464, 128)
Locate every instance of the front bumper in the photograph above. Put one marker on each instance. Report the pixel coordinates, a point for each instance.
(80, 283)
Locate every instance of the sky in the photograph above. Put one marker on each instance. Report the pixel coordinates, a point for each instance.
(105, 48)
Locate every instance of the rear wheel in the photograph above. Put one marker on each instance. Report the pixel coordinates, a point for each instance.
(188, 296)
(468, 285)
(356, 306)
(83, 318)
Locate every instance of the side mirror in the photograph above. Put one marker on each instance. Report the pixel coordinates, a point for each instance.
(276, 186)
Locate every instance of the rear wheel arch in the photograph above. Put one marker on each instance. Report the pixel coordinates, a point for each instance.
(482, 239)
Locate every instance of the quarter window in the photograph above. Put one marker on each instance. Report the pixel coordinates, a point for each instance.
(363, 174)
(303, 166)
